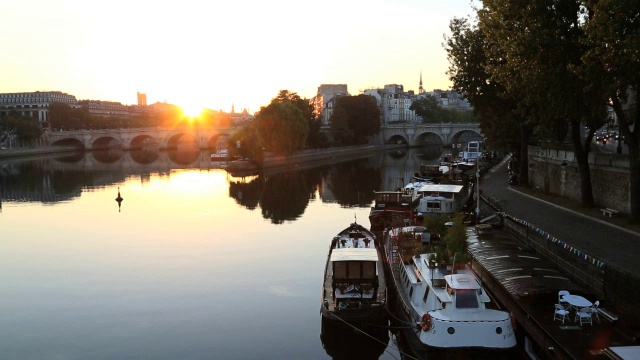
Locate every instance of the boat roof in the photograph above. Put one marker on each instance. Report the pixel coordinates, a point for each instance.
(441, 188)
(408, 229)
(354, 254)
(462, 282)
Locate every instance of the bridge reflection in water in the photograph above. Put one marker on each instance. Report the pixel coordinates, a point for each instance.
(62, 177)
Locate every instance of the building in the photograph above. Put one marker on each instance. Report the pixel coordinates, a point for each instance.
(394, 104)
(239, 119)
(105, 108)
(142, 99)
(35, 104)
(325, 100)
(450, 99)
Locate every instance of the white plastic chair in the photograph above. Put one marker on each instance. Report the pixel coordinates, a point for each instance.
(593, 310)
(562, 301)
(560, 313)
(584, 316)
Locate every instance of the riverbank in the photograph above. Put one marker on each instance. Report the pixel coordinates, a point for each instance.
(305, 159)
(46, 150)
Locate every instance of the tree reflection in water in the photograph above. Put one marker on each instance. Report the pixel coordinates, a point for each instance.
(285, 196)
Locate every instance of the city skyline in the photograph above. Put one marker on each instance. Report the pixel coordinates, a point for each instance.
(214, 56)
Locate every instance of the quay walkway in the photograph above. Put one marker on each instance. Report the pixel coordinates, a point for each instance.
(597, 256)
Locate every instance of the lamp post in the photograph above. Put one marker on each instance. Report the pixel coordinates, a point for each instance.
(477, 191)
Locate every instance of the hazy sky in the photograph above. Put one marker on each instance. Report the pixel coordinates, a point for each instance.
(213, 54)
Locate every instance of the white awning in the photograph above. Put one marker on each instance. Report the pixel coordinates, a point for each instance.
(443, 188)
(355, 254)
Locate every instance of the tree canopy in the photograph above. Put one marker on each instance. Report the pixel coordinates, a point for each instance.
(551, 67)
(354, 119)
(428, 108)
(281, 125)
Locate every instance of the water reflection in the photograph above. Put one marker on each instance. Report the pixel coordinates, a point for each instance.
(347, 342)
(281, 196)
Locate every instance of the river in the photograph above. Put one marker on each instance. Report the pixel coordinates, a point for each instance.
(192, 263)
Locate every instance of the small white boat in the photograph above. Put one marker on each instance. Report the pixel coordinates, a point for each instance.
(450, 308)
(354, 289)
(220, 155)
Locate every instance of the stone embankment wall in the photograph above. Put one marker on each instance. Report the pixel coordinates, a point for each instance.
(556, 172)
(315, 155)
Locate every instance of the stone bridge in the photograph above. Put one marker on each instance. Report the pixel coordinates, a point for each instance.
(163, 137)
(202, 137)
(444, 134)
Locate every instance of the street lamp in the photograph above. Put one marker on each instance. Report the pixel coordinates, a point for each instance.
(477, 191)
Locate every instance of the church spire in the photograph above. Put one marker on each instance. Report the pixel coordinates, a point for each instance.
(421, 89)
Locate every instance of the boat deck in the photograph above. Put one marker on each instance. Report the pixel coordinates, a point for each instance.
(527, 285)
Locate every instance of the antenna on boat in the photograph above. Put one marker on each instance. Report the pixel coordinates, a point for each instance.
(355, 218)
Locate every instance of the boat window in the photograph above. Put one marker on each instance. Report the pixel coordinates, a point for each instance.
(369, 270)
(466, 299)
(339, 270)
(354, 270)
(410, 291)
(426, 293)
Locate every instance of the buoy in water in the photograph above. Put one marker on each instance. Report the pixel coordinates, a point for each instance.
(119, 199)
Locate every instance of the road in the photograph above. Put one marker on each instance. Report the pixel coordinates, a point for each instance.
(591, 234)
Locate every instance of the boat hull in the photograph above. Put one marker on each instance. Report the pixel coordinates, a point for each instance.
(355, 287)
(473, 329)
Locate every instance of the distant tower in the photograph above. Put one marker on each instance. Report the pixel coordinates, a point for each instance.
(142, 99)
(233, 108)
(421, 89)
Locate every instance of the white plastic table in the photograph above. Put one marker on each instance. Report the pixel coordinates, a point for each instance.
(577, 301)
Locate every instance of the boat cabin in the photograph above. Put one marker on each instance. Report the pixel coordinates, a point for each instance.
(465, 291)
(354, 268)
(440, 199)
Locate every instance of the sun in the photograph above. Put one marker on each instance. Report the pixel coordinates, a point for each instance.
(192, 110)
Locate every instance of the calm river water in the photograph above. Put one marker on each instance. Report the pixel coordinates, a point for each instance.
(193, 264)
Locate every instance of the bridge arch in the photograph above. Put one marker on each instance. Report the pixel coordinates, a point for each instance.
(141, 141)
(465, 136)
(397, 139)
(428, 138)
(106, 142)
(181, 139)
(71, 141)
(219, 141)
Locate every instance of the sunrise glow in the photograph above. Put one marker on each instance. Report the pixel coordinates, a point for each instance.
(175, 53)
(192, 111)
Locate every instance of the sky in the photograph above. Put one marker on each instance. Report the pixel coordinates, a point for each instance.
(216, 54)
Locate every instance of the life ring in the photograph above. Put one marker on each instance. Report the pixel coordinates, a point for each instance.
(426, 322)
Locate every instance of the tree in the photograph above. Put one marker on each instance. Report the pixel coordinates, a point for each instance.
(282, 126)
(356, 118)
(427, 107)
(25, 127)
(613, 42)
(456, 239)
(246, 143)
(28, 128)
(494, 106)
(63, 116)
(540, 44)
(315, 137)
